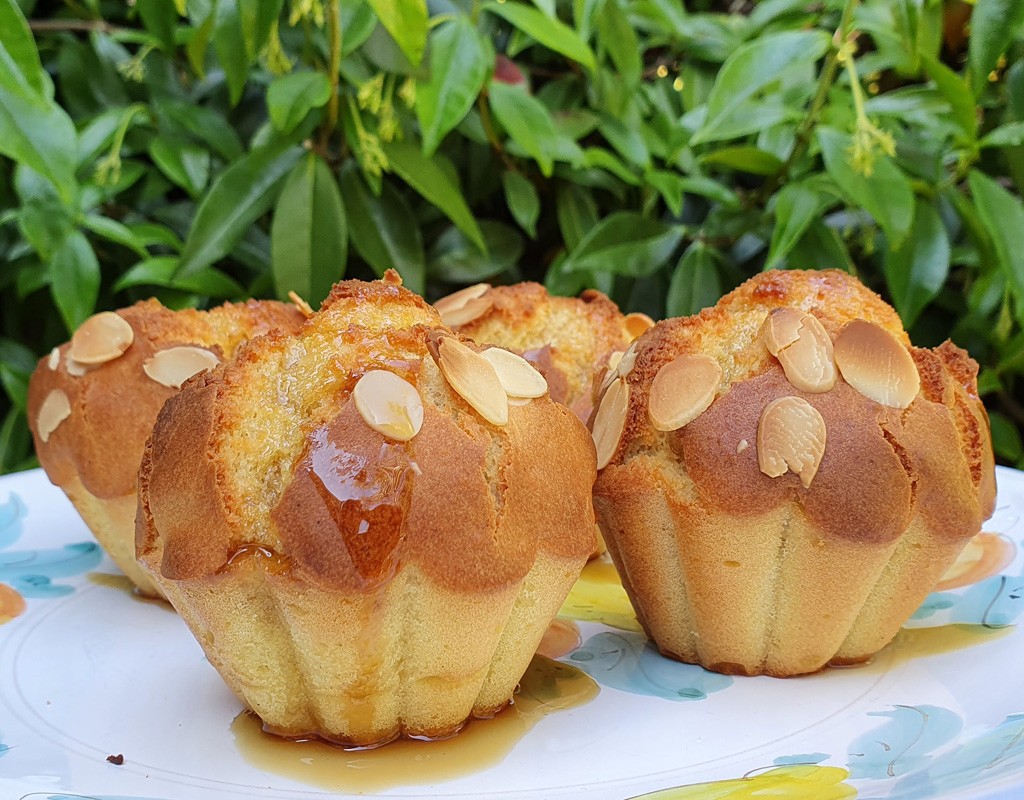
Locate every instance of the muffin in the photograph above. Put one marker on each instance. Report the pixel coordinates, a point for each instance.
(784, 477)
(368, 525)
(570, 340)
(92, 402)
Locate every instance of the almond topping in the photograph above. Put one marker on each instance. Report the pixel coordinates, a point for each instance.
(682, 391)
(808, 362)
(464, 305)
(75, 370)
(54, 360)
(475, 380)
(876, 364)
(615, 358)
(517, 375)
(637, 323)
(175, 365)
(55, 409)
(742, 445)
(304, 308)
(790, 436)
(101, 338)
(389, 404)
(780, 329)
(610, 421)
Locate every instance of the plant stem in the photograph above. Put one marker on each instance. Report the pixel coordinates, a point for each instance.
(334, 67)
(492, 136)
(804, 132)
(84, 25)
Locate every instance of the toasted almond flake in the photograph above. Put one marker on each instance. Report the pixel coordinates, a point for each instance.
(101, 338)
(389, 404)
(682, 390)
(876, 364)
(808, 362)
(742, 445)
(75, 370)
(54, 360)
(415, 468)
(474, 379)
(55, 409)
(175, 365)
(453, 308)
(614, 358)
(304, 308)
(517, 375)
(610, 421)
(519, 401)
(624, 363)
(790, 436)
(637, 323)
(780, 329)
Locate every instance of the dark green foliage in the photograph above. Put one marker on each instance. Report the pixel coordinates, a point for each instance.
(202, 150)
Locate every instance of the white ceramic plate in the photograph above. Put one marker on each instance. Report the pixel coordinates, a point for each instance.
(87, 670)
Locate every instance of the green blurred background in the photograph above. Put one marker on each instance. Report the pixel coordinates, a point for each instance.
(203, 150)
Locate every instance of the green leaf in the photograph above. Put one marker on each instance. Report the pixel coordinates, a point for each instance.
(1003, 217)
(625, 243)
(1009, 135)
(695, 283)
(753, 67)
(237, 198)
(994, 24)
(159, 271)
(149, 234)
(384, 230)
(43, 219)
(201, 124)
(435, 184)
(185, 164)
(160, 19)
(459, 61)
(576, 211)
(957, 92)
(619, 39)
(309, 235)
(199, 42)
(522, 200)
(15, 443)
(820, 246)
(97, 134)
(627, 139)
(455, 259)
(745, 159)
(885, 194)
(291, 97)
(357, 23)
(74, 279)
(602, 159)
(114, 231)
(549, 31)
(669, 186)
(19, 60)
(917, 270)
(406, 21)
(528, 123)
(229, 42)
(796, 206)
(1006, 439)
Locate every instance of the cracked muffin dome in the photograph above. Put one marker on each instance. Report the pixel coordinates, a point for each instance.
(92, 402)
(785, 478)
(369, 525)
(569, 339)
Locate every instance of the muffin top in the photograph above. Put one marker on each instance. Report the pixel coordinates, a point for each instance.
(568, 339)
(373, 438)
(93, 400)
(802, 387)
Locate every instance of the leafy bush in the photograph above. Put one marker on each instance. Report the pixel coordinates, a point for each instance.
(209, 149)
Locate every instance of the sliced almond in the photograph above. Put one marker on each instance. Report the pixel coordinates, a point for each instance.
(780, 329)
(637, 323)
(610, 421)
(517, 375)
(475, 380)
(54, 360)
(55, 409)
(682, 390)
(389, 404)
(75, 370)
(876, 364)
(175, 365)
(304, 308)
(101, 338)
(790, 436)
(615, 358)
(464, 305)
(808, 362)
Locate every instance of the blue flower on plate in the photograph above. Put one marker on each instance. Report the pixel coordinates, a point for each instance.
(906, 742)
(627, 661)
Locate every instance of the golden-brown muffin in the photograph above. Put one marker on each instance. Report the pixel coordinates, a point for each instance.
(785, 478)
(92, 402)
(368, 526)
(569, 339)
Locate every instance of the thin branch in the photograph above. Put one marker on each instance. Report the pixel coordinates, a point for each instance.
(82, 25)
(333, 74)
